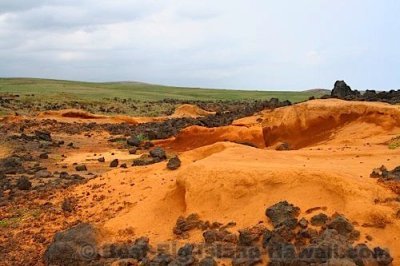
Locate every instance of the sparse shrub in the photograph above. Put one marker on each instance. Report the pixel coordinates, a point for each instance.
(394, 143)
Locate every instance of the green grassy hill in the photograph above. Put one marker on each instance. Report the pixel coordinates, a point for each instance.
(74, 90)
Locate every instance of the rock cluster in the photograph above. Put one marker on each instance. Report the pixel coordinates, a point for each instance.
(291, 241)
(342, 91)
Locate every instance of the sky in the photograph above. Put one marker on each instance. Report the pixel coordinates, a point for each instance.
(238, 44)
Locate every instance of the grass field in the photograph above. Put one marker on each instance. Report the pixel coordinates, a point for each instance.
(74, 90)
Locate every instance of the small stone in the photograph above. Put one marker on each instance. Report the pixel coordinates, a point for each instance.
(319, 219)
(133, 150)
(174, 163)
(158, 153)
(114, 163)
(133, 141)
(23, 183)
(81, 167)
(101, 159)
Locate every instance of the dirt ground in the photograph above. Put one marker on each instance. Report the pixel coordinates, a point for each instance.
(228, 174)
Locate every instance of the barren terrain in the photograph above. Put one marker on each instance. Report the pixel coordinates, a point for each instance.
(116, 179)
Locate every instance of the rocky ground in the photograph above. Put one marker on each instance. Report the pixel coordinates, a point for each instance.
(202, 190)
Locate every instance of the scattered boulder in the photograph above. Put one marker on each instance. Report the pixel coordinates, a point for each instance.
(158, 153)
(133, 141)
(74, 246)
(23, 183)
(101, 159)
(81, 168)
(114, 163)
(174, 163)
(133, 150)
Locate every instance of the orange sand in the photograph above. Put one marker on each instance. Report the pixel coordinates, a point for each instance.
(189, 110)
(338, 144)
(197, 136)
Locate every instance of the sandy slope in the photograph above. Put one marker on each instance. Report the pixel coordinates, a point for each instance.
(227, 182)
(76, 115)
(196, 136)
(230, 182)
(189, 110)
(318, 121)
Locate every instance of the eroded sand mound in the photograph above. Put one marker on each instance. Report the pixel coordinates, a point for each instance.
(319, 121)
(76, 115)
(228, 182)
(196, 136)
(71, 113)
(189, 110)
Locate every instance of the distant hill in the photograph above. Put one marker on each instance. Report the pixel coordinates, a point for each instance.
(139, 91)
(319, 91)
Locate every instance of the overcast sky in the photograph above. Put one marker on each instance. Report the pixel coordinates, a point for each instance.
(248, 44)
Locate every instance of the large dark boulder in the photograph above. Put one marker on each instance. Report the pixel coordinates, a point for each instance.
(342, 91)
(74, 246)
(283, 214)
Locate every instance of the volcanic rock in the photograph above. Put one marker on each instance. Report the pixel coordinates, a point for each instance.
(114, 163)
(133, 150)
(133, 141)
(284, 214)
(23, 183)
(158, 153)
(341, 90)
(43, 135)
(319, 219)
(174, 163)
(74, 246)
(81, 167)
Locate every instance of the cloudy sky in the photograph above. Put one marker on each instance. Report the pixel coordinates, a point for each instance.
(248, 44)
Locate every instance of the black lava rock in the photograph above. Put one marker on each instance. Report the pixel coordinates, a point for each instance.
(114, 163)
(174, 163)
(23, 183)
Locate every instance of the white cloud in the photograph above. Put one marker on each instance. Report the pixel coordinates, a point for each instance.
(237, 44)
